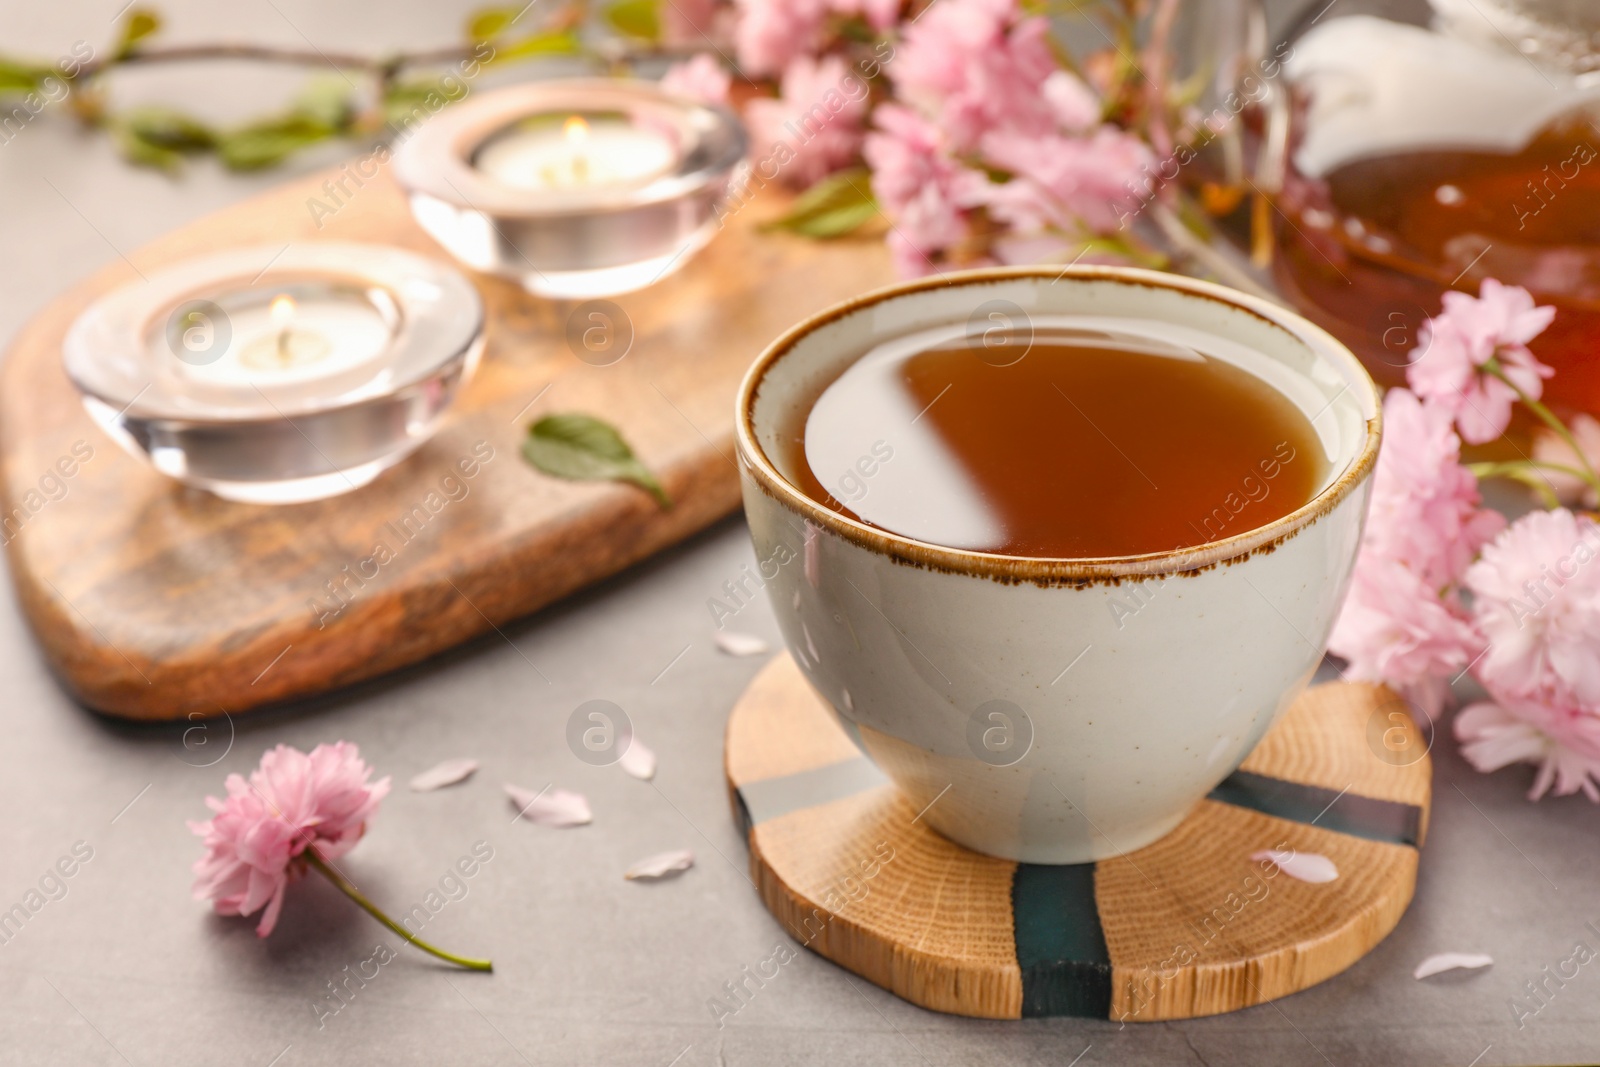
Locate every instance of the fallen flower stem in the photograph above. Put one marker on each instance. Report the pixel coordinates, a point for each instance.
(373, 910)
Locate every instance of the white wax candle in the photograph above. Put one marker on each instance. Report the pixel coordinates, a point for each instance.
(576, 155)
(283, 342)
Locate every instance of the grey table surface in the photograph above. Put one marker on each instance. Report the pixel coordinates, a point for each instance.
(127, 968)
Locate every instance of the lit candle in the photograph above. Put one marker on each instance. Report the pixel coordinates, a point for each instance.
(272, 385)
(576, 188)
(578, 154)
(279, 342)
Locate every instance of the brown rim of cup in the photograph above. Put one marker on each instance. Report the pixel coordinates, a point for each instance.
(1041, 570)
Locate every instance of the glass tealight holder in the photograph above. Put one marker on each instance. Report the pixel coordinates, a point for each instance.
(574, 188)
(278, 375)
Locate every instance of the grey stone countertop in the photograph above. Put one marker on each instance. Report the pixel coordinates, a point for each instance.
(125, 968)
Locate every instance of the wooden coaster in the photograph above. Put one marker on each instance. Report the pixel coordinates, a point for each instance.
(155, 601)
(1188, 926)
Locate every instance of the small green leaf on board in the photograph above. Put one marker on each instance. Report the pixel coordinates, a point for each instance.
(582, 448)
(837, 205)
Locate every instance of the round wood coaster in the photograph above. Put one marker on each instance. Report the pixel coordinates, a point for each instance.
(1188, 926)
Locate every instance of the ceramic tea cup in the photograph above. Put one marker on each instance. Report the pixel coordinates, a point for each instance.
(1057, 710)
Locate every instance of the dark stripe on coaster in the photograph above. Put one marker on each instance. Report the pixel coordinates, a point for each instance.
(741, 815)
(1388, 821)
(772, 797)
(1066, 969)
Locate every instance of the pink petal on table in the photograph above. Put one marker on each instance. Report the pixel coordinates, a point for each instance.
(738, 644)
(638, 760)
(1305, 866)
(661, 865)
(1450, 961)
(448, 772)
(550, 806)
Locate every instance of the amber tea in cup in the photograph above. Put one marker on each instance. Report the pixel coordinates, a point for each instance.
(1056, 441)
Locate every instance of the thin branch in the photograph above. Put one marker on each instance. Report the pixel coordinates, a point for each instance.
(274, 54)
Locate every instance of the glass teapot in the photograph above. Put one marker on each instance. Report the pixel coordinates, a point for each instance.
(1424, 145)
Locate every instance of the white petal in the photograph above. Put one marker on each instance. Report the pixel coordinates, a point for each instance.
(442, 774)
(638, 760)
(1450, 961)
(1305, 866)
(550, 806)
(661, 865)
(738, 644)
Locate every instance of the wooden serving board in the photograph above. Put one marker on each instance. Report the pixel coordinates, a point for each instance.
(1188, 926)
(155, 601)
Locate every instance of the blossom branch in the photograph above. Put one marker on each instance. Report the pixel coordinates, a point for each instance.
(1548, 417)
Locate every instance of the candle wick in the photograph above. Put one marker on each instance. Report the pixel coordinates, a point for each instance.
(283, 347)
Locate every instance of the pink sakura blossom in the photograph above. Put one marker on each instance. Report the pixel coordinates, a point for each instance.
(768, 35)
(977, 66)
(1564, 743)
(292, 802)
(1425, 510)
(1397, 630)
(700, 78)
(1466, 335)
(817, 120)
(1067, 183)
(1536, 598)
(925, 192)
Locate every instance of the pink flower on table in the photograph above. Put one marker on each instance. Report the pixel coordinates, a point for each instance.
(926, 194)
(976, 66)
(1548, 447)
(291, 802)
(817, 120)
(1068, 184)
(1397, 630)
(1425, 508)
(770, 34)
(1563, 742)
(1536, 597)
(700, 78)
(1457, 344)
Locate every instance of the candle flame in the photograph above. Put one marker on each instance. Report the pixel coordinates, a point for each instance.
(281, 310)
(576, 130)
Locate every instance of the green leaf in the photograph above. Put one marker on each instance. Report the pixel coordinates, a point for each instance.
(326, 101)
(18, 77)
(143, 153)
(269, 142)
(404, 99)
(167, 129)
(582, 448)
(487, 23)
(635, 18)
(551, 43)
(140, 23)
(838, 204)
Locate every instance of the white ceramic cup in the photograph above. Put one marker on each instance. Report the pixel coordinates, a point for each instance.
(1049, 710)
